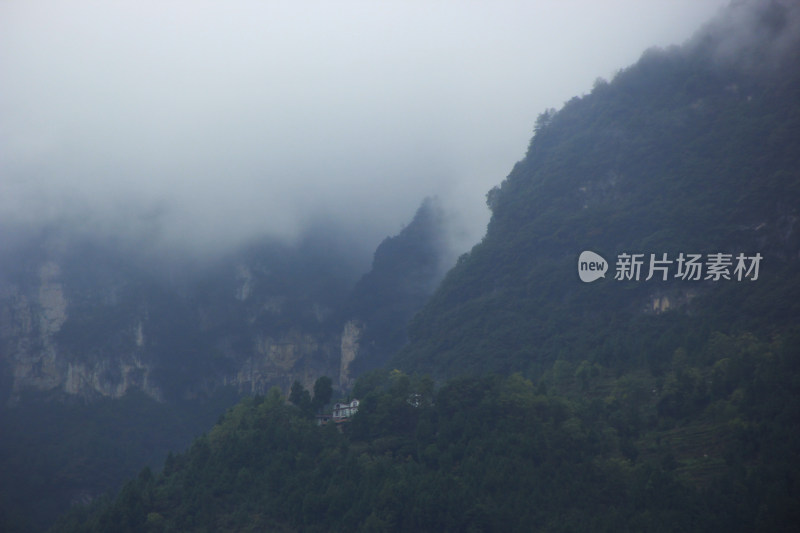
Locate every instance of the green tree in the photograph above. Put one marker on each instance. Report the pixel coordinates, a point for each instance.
(323, 390)
(300, 397)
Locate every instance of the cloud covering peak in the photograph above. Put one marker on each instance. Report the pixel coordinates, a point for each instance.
(204, 124)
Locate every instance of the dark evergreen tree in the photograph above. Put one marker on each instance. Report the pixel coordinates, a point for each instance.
(323, 390)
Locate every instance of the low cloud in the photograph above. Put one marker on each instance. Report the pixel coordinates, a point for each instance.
(200, 125)
(754, 34)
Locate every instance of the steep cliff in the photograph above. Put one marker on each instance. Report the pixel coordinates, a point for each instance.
(86, 319)
(87, 329)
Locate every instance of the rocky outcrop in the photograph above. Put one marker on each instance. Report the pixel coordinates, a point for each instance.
(85, 320)
(111, 377)
(351, 337)
(28, 322)
(31, 318)
(106, 340)
(51, 299)
(295, 356)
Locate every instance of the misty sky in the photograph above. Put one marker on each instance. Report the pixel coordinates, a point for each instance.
(200, 124)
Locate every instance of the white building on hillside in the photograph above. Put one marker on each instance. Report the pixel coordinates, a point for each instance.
(345, 410)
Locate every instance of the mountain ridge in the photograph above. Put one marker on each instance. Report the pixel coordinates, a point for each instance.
(680, 153)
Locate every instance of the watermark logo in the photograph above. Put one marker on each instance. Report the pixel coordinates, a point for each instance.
(685, 267)
(591, 266)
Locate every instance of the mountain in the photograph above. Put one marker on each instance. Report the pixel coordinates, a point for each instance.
(559, 399)
(89, 319)
(405, 271)
(481, 455)
(86, 321)
(693, 150)
(103, 348)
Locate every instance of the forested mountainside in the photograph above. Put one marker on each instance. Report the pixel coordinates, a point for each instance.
(108, 362)
(494, 454)
(645, 400)
(691, 151)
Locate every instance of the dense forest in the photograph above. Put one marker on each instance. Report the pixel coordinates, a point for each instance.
(527, 400)
(686, 151)
(692, 450)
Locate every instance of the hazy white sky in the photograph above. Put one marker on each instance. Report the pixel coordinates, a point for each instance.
(203, 123)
